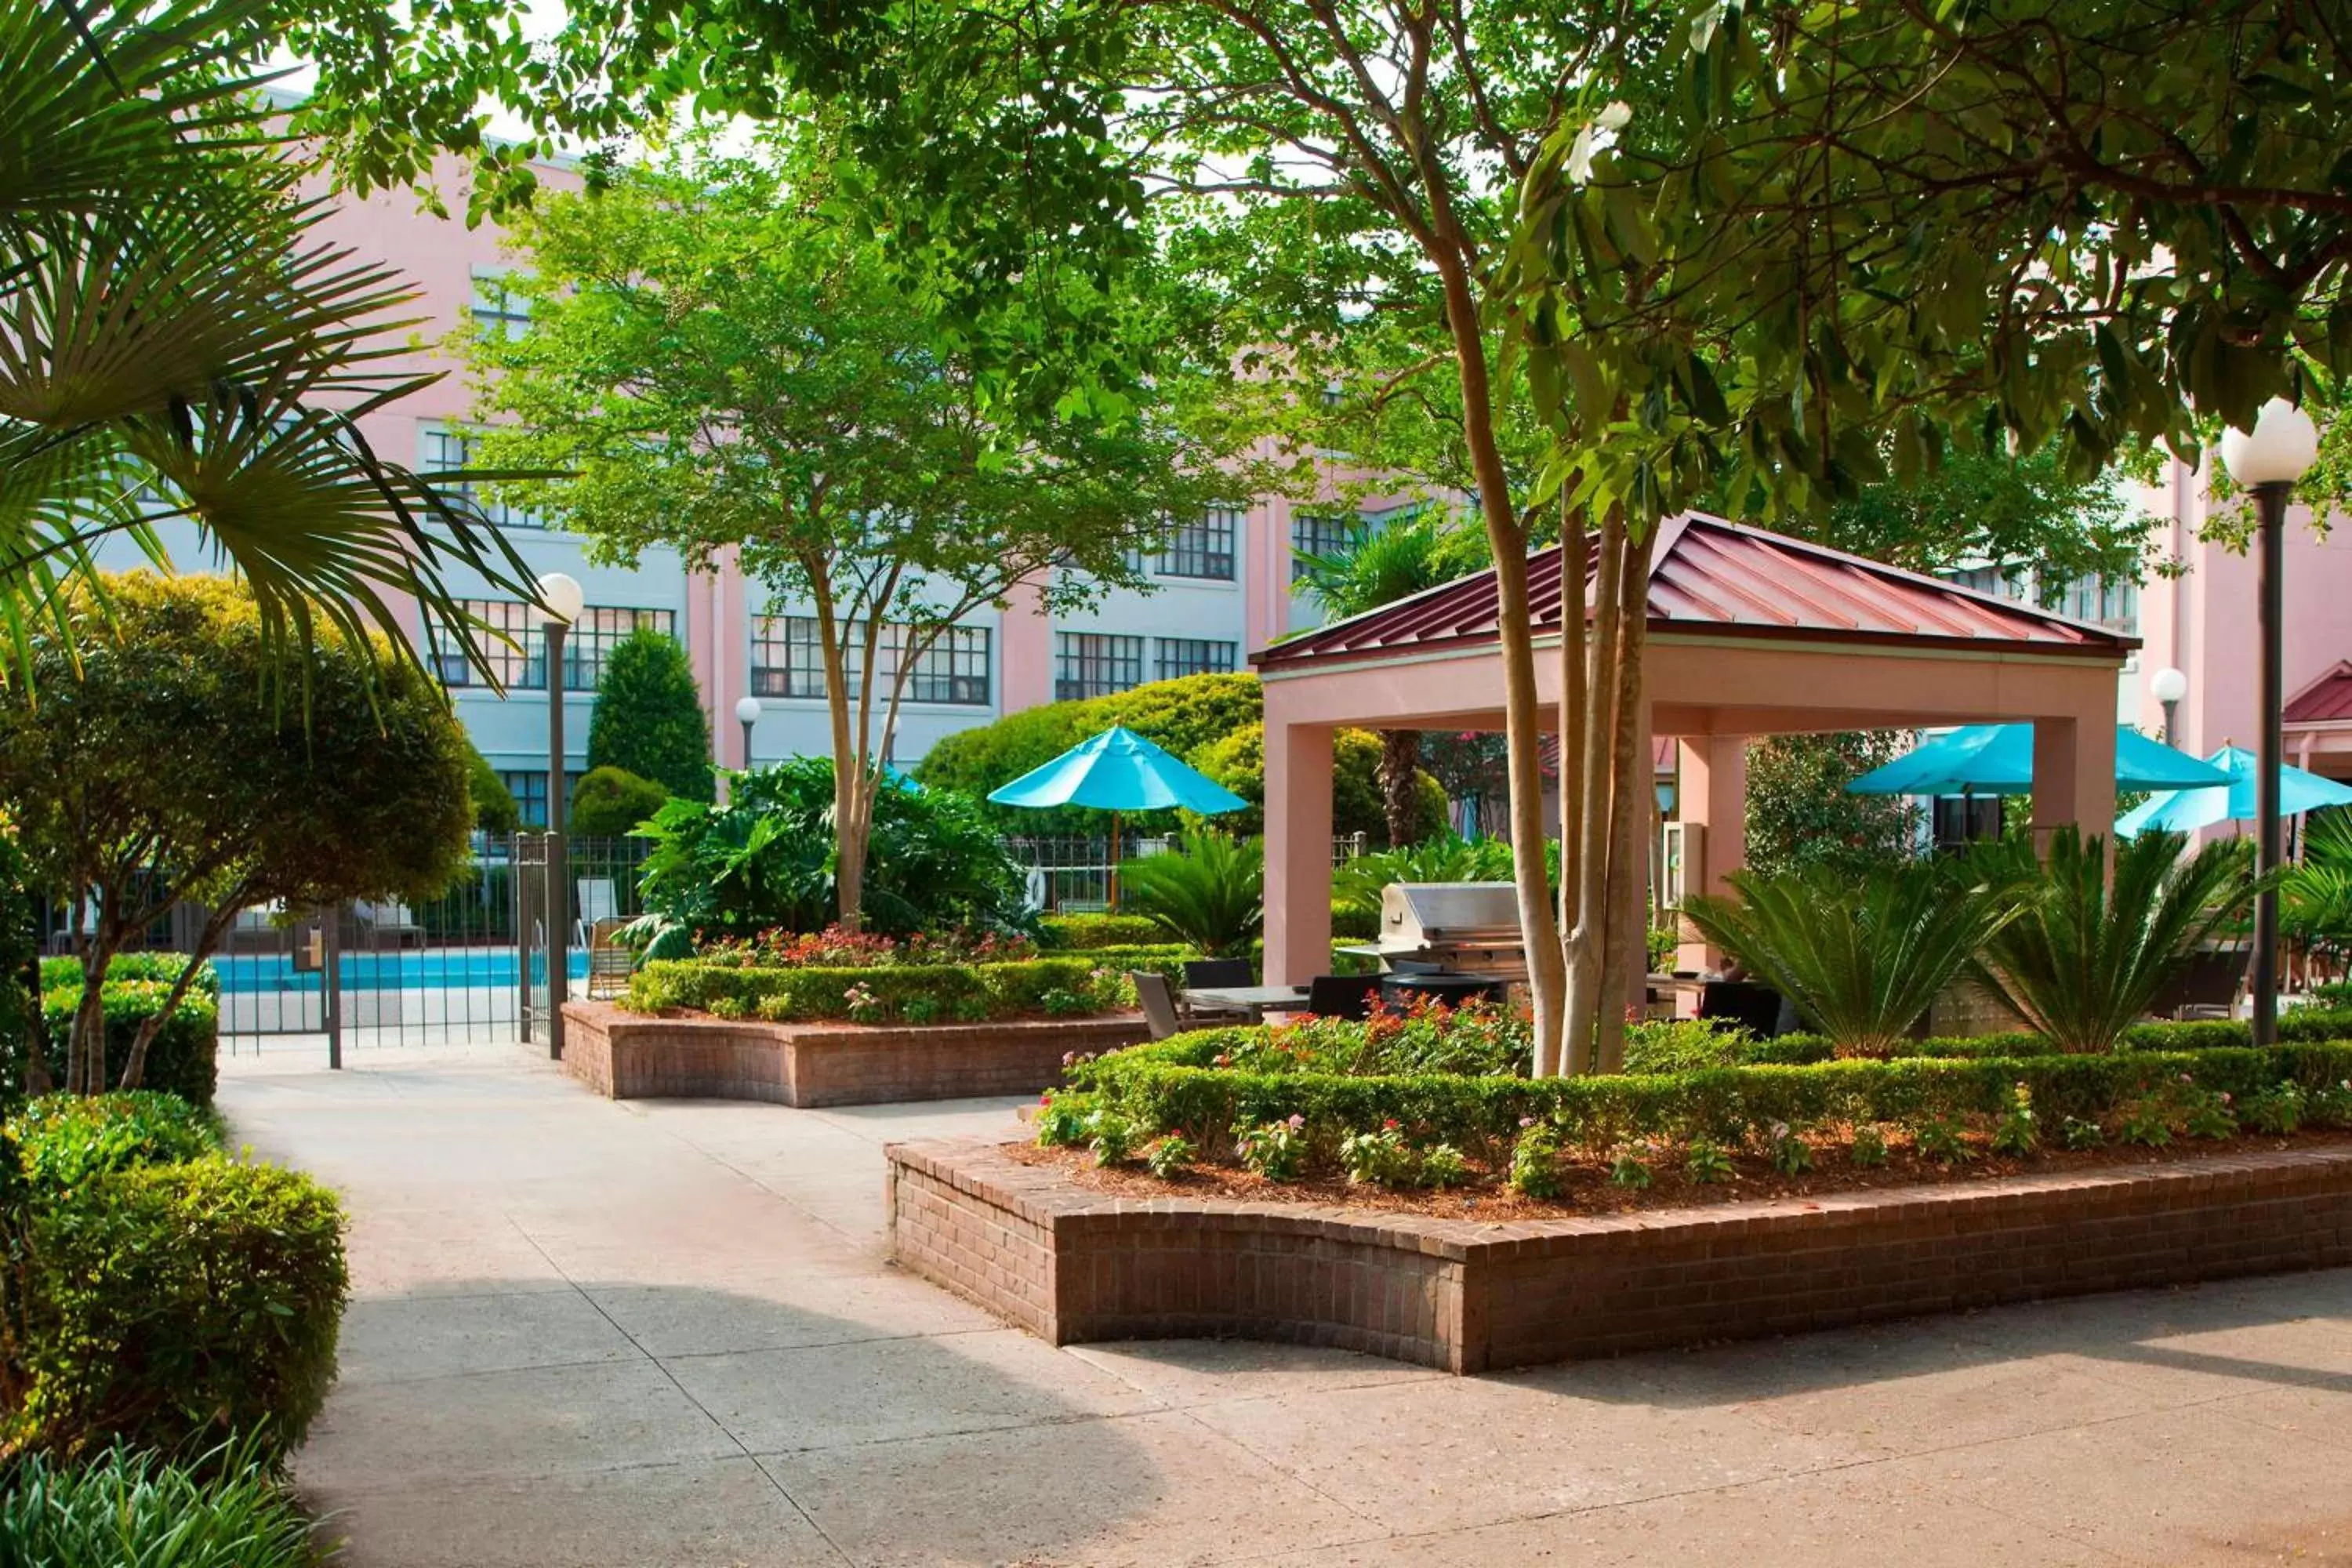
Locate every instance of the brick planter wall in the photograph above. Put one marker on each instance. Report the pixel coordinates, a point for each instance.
(1075, 1267)
(631, 1055)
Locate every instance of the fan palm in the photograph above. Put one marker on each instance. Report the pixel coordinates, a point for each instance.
(2315, 894)
(2087, 953)
(1211, 894)
(1389, 563)
(1859, 958)
(176, 343)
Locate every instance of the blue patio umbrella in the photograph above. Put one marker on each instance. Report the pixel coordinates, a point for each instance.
(1117, 770)
(2193, 809)
(1998, 759)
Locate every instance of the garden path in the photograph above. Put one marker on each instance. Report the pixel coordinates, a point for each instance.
(654, 1334)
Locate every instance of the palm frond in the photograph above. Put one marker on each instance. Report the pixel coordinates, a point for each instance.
(1860, 961)
(2088, 953)
(1211, 894)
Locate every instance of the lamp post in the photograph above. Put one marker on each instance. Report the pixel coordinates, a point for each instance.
(2168, 686)
(747, 713)
(2268, 461)
(561, 598)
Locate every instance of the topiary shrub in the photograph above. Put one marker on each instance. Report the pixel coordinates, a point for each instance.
(648, 719)
(609, 803)
(495, 808)
(60, 1141)
(175, 1306)
(1083, 933)
(182, 1059)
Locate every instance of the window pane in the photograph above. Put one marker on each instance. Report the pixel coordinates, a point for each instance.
(788, 660)
(447, 450)
(498, 311)
(1095, 664)
(1205, 548)
(524, 666)
(1326, 536)
(1174, 657)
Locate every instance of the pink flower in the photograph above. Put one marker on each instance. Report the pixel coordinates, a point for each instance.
(1296, 1121)
(1526, 1122)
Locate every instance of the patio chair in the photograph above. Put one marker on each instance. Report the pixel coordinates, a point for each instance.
(62, 938)
(1159, 1004)
(609, 965)
(597, 903)
(2208, 986)
(1754, 1007)
(387, 918)
(256, 929)
(1342, 995)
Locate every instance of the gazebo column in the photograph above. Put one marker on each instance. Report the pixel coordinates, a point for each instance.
(1298, 850)
(2073, 774)
(1712, 805)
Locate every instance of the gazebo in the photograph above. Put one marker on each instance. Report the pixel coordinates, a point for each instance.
(1751, 633)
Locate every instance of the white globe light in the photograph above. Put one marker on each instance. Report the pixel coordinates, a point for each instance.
(2283, 444)
(561, 596)
(747, 711)
(2168, 685)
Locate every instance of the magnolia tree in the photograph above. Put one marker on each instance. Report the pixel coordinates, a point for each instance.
(723, 360)
(150, 760)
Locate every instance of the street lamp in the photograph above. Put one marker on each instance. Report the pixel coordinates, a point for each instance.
(561, 599)
(2283, 444)
(747, 713)
(2168, 686)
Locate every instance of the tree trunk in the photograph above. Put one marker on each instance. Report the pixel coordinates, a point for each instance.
(1574, 694)
(1632, 797)
(1588, 752)
(1400, 783)
(208, 938)
(38, 1082)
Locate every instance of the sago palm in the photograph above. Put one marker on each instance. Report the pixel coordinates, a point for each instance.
(1860, 958)
(1210, 894)
(176, 343)
(2087, 952)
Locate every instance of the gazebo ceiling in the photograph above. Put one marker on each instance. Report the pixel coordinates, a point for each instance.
(1714, 578)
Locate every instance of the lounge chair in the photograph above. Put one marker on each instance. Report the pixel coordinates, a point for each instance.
(387, 918)
(597, 903)
(2207, 987)
(1159, 1004)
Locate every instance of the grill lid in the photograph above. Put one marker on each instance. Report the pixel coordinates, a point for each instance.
(1422, 913)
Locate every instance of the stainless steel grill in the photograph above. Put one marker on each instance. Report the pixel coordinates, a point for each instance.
(1469, 927)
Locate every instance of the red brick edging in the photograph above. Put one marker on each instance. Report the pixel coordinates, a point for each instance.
(636, 1055)
(1074, 1265)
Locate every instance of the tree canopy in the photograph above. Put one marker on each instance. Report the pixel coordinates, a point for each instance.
(150, 761)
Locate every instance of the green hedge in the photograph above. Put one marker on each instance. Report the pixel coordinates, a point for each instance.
(1175, 1086)
(162, 966)
(923, 993)
(1088, 933)
(223, 1508)
(159, 1292)
(2296, 1025)
(182, 1059)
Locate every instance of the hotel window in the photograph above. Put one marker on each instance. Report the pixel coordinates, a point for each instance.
(1319, 535)
(499, 311)
(788, 660)
(524, 666)
(529, 787)
(446, 451)
(1095, 664)
(1173, 657)
(2110, 602)
(1204, 548)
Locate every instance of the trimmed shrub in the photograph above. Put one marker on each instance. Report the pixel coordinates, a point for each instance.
(496, 810)
(609, 803)
(1087, 933)
(175, 1306)
(61, 1141)
(648, 720)
(1176, 1087)
(930, 993)
(182, 1059)
(223, 1510)
(160, 966)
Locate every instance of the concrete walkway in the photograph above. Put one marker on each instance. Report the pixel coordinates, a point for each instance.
(654, 1334)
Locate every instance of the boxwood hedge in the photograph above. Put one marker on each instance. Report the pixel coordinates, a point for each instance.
(1175, 1085)
(919, 993)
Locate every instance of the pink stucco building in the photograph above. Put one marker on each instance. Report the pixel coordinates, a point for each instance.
(1224, 588)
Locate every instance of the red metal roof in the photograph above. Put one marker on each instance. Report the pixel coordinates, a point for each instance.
(1722, 578)
(2324, 701)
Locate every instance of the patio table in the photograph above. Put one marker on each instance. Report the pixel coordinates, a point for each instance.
(1256, 1001)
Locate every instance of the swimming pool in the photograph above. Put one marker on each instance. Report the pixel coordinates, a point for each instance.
(426, 969)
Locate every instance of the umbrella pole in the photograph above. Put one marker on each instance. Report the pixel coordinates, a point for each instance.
(1114, 862)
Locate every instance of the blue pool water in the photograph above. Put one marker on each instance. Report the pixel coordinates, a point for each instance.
(245, 973)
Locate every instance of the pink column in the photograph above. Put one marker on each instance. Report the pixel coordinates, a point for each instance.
(1713, 802)
(1298, 850)
(2073, 774)
(1025, 651)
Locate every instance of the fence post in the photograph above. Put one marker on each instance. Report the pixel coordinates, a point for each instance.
(331, 982)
